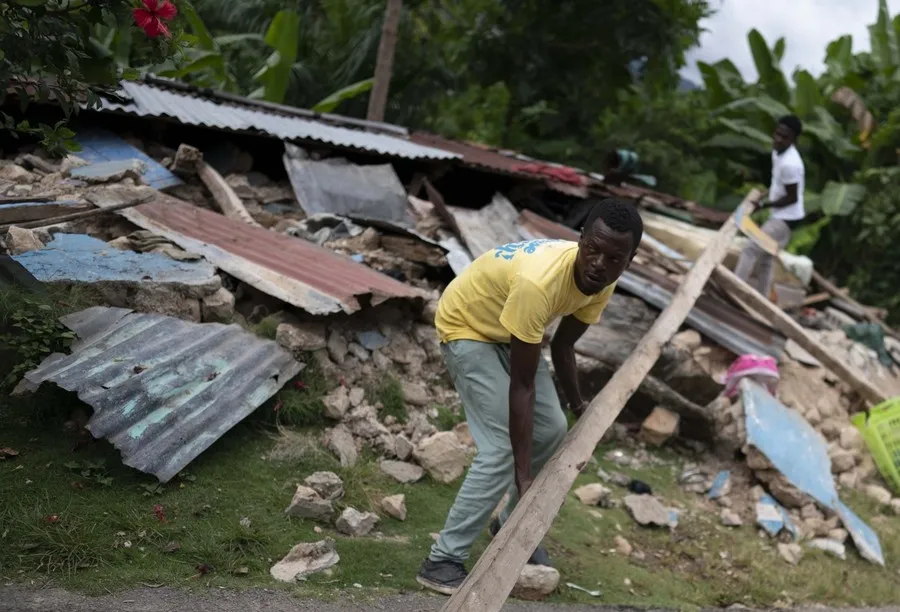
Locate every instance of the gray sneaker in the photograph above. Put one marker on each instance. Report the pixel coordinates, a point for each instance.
(441, 576)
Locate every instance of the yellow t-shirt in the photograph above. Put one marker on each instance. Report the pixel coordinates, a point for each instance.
(516, 289)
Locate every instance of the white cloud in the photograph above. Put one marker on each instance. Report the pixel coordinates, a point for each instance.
(807, 25)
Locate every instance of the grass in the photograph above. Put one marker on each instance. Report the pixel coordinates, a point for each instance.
(299, 403)
(447, 419)
(389, 393)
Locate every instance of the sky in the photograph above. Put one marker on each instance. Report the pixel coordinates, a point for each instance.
(807, 25)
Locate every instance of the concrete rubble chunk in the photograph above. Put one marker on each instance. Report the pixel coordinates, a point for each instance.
(363, 422)
(21, 240)
(536, 582)
(851, 439)
(730, 518)
(395, 506)
(218, 307)
(327, 484)
(187, 160)
(620, 479)
(337, 347)
(307, 503)
(111, 171)
(836, 549)
(415, 393)
(354, 523)
(402, 472)
(879, 494)
(849, 480)
(647, 510)
(305, 559)
(341, 443)
(792, 553)
(359, 352)
(301, 337)
(442, 456)
(337, 403)
(623, 547)
(661, 425)
(403, 448)
(592, 494)
(464, 434)
(16, 174)
(811, 511)
(357, 395)
(838, 535)
(842, 460)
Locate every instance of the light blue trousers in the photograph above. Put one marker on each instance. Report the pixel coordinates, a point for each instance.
(480, 373)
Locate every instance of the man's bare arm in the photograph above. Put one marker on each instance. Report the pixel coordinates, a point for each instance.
(562, 349)
(790, 197)
(524, 359)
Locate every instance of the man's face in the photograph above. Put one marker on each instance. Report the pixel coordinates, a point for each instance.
(782, 138)
(603, 254)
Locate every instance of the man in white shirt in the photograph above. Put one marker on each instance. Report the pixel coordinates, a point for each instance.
(785, 198)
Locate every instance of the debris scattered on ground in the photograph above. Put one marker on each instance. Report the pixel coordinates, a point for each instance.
(730, 518)
(354, 523)
(442, 456)
(829, 546)
(395, 506)
(308, 503)
(660, 426)
(536, 582)
(19, 240)
(305, 559)
(327, 484)
(593, 494)
(792, 553)
(648, 510)
(402, 472)
(623, 547)
(594, 593)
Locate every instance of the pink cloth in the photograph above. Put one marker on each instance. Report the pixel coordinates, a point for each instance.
(762, 368)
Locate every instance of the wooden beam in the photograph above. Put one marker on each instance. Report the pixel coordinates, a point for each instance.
(78, 216)
(816, 298)
(384, 62)
(496, 572)
(226, 199)
(793, 330)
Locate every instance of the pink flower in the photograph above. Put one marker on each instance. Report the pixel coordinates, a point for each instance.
(150, 18)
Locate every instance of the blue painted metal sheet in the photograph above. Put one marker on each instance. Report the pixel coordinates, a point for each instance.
(102, 146)
(798, 451)
(720, 485)
(163, 390)
(82, 259)
(772, 517)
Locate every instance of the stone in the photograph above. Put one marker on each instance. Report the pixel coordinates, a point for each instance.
(359, 352)
(187, 160)
(363, 422)
(307, 503)
(305, 559)
(21, 240)
(792, 553)
(337, 347)
(16, 174)
(895, 506)
(406, 473)
(724, 502)
(357, 395)
(730, 518)
(827, 407)
(354, 523)
(113, 171)
(815, 526)
(218, 307)
(647, 510)
(757, 492)
(661, 425)
(786, 493)
(623, 547)
(395, 506)
(849, 480)
(616, 478)
(851, 439)
(301, 337)
(688, 340)
(536, 582)
(341, 443)
(811, 511)
(327, 484)
(592, 494)
(842, 460)
(464, 434)
(831, 429)
(442, 456)
(867, 468)
(838, 535)
(832, 547)
(381, 361)
(879, 494)
(813, 417)
(415, 393)
(403, 448)
(337, 403)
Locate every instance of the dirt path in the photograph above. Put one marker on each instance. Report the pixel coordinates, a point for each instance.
(20, 599)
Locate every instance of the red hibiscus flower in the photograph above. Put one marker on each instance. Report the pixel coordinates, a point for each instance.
(151, 17)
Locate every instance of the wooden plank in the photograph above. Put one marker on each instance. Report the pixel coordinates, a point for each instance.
(24, 211)
(77, 216)
(226, 199)
(816, 298)
(496, 572)
(795, 332)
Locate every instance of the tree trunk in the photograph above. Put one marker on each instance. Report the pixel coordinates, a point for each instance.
(384, 65)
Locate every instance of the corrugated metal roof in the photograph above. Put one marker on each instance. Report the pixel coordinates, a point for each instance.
(488, 227)
(712, 317)
(290, 269)
(163, 390)
(194, 106)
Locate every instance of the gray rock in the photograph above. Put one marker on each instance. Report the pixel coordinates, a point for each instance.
(536, 582)
(327, 484)
(592, 494)
(305, 559)
(354, 523)
(395, 506)
(442, 456)
(218, 307)
(371, 340)
(415, 393)
(337, 403)
(406, 473)
(301, 337)
(357, 395)
(792, 553)
(403, 448)
(359, 352)
(851, 439)
(16, 174)
(337, 347)
(842, 460)
(878, 494)
(623, 547)
(341, 443)
(21, 240)
(647, 510)
(618, 478)
(730, 518)
(111, 171)
(895, 506)
(307, 503)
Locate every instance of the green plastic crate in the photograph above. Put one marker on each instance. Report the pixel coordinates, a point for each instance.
(882, 435)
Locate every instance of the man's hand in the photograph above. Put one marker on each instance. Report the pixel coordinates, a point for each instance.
(523, 483)
(580, 409)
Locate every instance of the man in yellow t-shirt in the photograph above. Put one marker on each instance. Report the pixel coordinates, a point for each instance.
(491, 322)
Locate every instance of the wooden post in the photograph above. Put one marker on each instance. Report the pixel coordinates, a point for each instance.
(384, 64)
(790, 328)
(496, 572)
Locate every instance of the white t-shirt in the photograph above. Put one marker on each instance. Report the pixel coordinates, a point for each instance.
(787, 169)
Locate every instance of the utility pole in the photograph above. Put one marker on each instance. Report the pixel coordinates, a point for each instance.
(384, 65)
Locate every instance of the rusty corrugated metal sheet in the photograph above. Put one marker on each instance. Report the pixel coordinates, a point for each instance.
(295, 271)
(719, 321)
(163, 390)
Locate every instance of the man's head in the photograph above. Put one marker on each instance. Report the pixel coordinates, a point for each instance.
(786, 133)
(609, 240)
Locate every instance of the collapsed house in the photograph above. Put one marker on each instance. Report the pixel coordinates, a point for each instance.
(188, 210)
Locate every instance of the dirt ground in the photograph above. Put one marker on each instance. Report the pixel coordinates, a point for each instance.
(21, 599)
